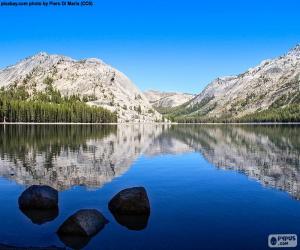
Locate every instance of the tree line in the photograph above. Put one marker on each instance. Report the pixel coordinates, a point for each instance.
(289, 113)
(17, 105)
(17, 141)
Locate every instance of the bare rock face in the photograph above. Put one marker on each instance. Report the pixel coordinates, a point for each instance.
(273, 82)
(130, 201)
(84, 223)
(98, 83)
(167, 99)
(39, 197)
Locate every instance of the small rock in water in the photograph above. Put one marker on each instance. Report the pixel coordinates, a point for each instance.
(130, 201)
(39, 197)
(85, 222)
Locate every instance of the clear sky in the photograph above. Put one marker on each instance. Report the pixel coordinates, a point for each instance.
(165, 45)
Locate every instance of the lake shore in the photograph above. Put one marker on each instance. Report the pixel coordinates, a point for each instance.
(157, 123)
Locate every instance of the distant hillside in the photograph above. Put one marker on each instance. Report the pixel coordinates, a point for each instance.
(267, 92)
(162, 101)
(94, 82)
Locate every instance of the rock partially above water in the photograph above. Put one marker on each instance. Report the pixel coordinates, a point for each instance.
(39, 197)
(130, 201)
(78, 229)
(85, 222)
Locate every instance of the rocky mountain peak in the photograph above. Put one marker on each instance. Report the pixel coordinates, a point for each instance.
(42, 54)
(93, 80)
(45, 56)
(295, 51)
(272, 83)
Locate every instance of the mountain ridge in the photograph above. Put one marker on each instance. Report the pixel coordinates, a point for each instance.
(274, 83)
(91, 79)
(164, 99)
(269, 91)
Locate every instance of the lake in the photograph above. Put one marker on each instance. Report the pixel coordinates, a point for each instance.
(209, 186)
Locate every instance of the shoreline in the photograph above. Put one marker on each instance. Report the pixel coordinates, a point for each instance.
(153, 123)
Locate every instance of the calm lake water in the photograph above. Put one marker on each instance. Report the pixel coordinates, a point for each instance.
(209, 186)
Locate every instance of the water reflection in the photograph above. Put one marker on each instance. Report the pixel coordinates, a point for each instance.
(132, 222)
(39, 216)
(64, 156)
(75, 242)
(8, 247)
(269, 154)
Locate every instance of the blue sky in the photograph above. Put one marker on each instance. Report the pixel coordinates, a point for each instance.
(164, 45)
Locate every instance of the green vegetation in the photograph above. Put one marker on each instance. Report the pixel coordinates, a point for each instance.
(138, 109)
(16, 105)
(279, 111)
(89, 98)
(186, 112)
(290, 113)
(198, 119)
(291, 98)
(286, 108)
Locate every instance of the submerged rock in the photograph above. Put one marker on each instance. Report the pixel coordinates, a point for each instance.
(130, 201)
(41, 216)
(39, 197)
(85, 223)
(74, 242)
(132, 222)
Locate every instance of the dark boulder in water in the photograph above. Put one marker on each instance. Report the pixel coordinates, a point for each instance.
(84, 223)
(130, 201)
(39, 197)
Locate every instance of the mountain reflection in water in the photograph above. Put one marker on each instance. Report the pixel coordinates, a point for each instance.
(65, 156)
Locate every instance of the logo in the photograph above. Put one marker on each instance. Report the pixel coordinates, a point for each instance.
(282, 240)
